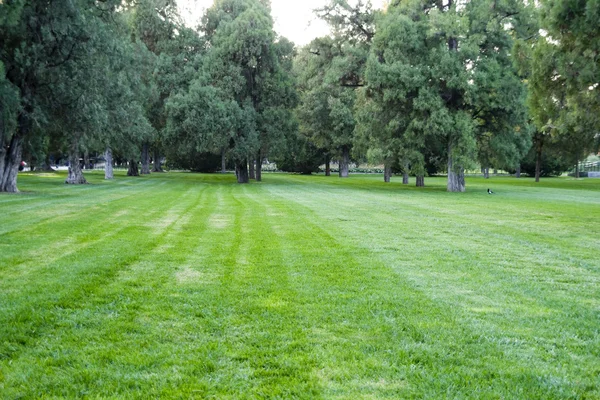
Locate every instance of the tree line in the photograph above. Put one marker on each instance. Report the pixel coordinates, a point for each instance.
(423, 86)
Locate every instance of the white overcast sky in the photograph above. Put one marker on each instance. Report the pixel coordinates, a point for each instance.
(294, 19)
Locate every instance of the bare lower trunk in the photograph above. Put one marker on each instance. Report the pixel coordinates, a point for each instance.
(518, 171)
(223, 161)
(259, 167)
(145, 159)
(405, 174)
(577, 169)
(538, 162)
(420, 181)
(86, 160)
(241, 171)
(157, 165)
(344, 163)
(47, 167)
(75, 176)
(387, 172)
(133, 168)
(10, 159)
(327, 166)
(495, 172)
(456, 174)
(251, 170)
(486, 173)
(108, 166)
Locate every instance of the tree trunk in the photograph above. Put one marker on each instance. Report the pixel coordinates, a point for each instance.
(223, 161)
(10, 159)
(157, 165)
(518, 171)
(344, 163)
(486, 173)
(259, 167)
(241, 171)
(577, 170)
(327, 165)
(405, 174)
(133, 168)
(387, 172)
(75, 176)
(251, 169)
(538, 160)
(108, 165)
(456, 175)
(145, 159)
(420, 181)
(495, 171)
(47, 167)
(86, 160)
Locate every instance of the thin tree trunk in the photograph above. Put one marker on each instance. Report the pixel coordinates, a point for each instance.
(420, 181)
(486, 173)
(108, 165)
(518, 171)
(86, 160)
(10, 159)
(223, 161)
(145, 159)
(259, 167)
(75, 176)
(387, 172)
(251, 169)
(327, 165)
(538, 160)
(405, 174)
(133, 168)
(241, 171)
(577, 169)
(157, 165)
(495, 171)
(344, 163)
(456, 174)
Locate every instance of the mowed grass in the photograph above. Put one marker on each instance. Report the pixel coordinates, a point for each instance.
(191, 286)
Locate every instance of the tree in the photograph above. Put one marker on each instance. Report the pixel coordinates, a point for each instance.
(429, 63)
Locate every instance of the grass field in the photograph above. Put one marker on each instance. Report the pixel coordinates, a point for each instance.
(191, 286)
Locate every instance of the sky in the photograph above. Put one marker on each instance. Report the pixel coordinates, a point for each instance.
(294, 19)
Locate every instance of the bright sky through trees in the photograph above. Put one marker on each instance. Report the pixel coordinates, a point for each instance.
(294, 20)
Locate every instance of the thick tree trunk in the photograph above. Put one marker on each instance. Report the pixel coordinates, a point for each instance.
(456, 174)
(420, 181)
(108, 166)
(486, 173)
(47, 167)
(133, 168)
(344, 163)
(10, 159)
(577, 169)
(157, 165)
(387, 172)
(241, 171)
(223, 161)
(251, 169)
(327, 165)
(259, 167)
(75, 176)
(405, 174)
(518, 171)
(145, 159)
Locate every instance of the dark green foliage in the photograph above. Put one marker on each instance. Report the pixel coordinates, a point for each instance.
(553, 163)
(299, 156)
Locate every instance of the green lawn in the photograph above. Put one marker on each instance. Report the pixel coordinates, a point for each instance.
(192, 286)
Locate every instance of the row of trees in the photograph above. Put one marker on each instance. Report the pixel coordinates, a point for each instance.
(424, 86)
